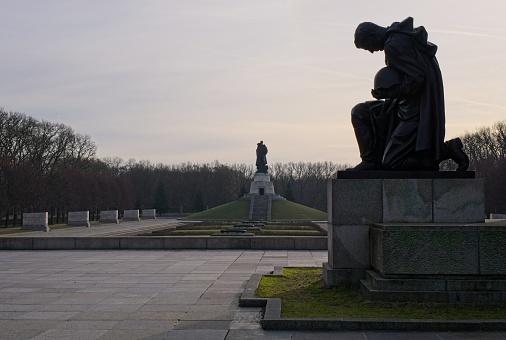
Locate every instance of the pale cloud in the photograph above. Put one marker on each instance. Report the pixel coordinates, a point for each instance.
(176, 81)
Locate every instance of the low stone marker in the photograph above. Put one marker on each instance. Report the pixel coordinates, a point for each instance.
(79, 218)
(498, 216)
(35, 221)
(149, 214)
(131, 215)
(109, 216)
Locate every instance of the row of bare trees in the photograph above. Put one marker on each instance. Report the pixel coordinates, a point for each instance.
(486, 148)
(49, 167)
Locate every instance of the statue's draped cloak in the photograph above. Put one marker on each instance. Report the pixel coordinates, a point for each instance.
(408, 51)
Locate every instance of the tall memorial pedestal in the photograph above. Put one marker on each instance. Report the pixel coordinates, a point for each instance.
(414, 236)
(261, 195)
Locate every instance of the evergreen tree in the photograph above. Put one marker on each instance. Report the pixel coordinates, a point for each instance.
(243, 191)
(289, 192)
(161, 202)
(198, 203)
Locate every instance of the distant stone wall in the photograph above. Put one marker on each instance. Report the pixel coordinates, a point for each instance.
(79, 218)
(109, 216)
(149, 214)
(35, 221)
(131, 215)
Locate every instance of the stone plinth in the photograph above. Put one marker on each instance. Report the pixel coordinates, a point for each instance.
(131, 215)
(358, 199)
(79, 218)
(444, 262)
(401, 250)
(405, 200)
(35, 221)
(425, 249)
(148, 214)
(262, 185)
(109, 216)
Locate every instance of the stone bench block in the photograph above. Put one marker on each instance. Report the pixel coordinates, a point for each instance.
(35, 221)
(148, 214)
(109, 216)
(131, 215)
(79, 218)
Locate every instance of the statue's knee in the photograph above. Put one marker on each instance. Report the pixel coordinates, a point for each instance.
(360, 113)
(360, 109)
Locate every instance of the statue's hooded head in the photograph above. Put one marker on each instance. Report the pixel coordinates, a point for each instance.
(370, 37)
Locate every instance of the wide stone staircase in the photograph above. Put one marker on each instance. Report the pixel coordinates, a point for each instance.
(259, 208)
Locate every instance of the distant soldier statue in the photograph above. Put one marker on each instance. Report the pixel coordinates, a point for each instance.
(261, 158)
(404, 128)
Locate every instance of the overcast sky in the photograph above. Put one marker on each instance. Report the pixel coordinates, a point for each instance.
(196, 81)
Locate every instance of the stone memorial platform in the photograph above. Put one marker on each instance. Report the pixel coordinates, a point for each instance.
(405, 226)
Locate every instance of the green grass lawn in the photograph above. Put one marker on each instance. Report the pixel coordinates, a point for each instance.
(304, 294)
(239, 210)
(17, 230)
(287, 210)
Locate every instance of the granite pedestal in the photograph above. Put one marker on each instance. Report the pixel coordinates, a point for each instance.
(412, 236)
(358, 200)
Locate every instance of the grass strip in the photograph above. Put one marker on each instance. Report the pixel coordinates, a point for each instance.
(304, 295)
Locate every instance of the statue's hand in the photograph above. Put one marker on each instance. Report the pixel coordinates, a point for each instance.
(378, 94)
(391, 92)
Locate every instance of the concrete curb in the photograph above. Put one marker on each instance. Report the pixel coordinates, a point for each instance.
(164, 243)
(272, 319)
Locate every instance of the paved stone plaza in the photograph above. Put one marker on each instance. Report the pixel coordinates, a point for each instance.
(148, 294)
(120, 294)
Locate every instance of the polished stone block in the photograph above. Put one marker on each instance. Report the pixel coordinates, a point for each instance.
(349, 246)
(354, 201)
(459, 200)
(407, 200)
(425, 249)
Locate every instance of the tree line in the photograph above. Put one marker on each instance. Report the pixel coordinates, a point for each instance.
(49, 167)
